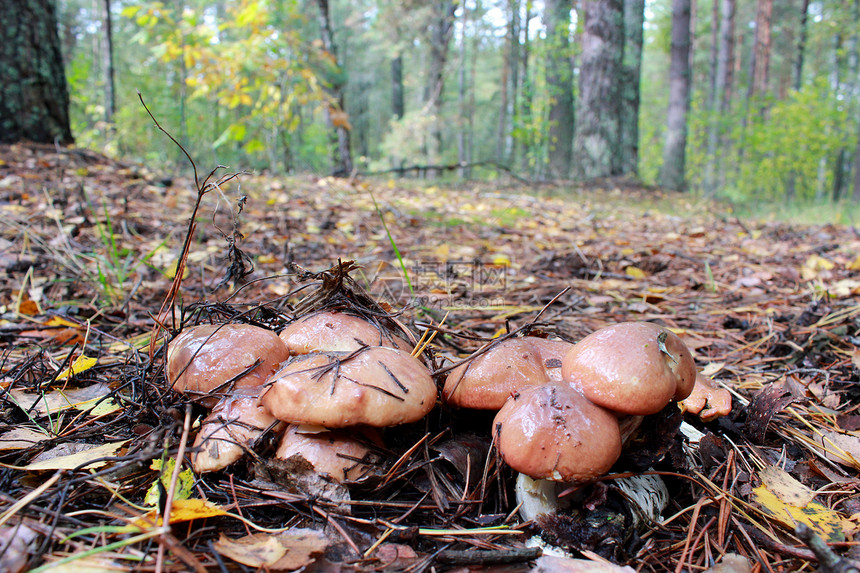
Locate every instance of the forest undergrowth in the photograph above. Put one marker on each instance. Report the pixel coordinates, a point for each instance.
(90, 430)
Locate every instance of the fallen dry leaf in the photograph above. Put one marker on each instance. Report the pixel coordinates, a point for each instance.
(286, 551)
(15, 544)
(73, 455)
(553, 564)
(785, 487)
(21, 438)
(89, 398)
(840, 448)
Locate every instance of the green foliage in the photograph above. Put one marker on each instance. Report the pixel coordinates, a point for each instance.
(247, 83)
(115, 265)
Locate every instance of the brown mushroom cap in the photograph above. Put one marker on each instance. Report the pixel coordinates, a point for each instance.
(553, 432)
(376, 386)
(631, 368)
(204, 358)
(334, 454)
(336, 332)
(707, 400)
(228, 431)
(486, 381)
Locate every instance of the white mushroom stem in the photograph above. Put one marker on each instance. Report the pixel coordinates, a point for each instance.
(537, 497)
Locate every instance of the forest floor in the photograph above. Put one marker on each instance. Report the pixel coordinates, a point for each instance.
(89, 248)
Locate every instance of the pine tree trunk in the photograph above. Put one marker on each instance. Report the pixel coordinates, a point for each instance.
(439, 43)
(713, 56)
(597, 144)
(397, 107)
(464, 171)
(634, 18)
(763, 46)
(718, 97)
(513, 99)
(559, 78)
(34, 99)
(801, 46)
(110, 92)
(672, 172)
(336, 112)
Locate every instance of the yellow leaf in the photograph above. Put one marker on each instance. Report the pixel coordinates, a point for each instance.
(634, 272)
(80, 364)
(826, 522)
(855, 264)
(184, 485)
(785, 487)
(266, 259)
(58, 321)
(502, 260)
(76, 459)
(814, 265)
(183, 510)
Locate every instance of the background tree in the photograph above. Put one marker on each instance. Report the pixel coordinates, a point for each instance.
(634, 19)
(672, 172)
(34, 101)
(336, 114)
(597, 145)
(559, 81)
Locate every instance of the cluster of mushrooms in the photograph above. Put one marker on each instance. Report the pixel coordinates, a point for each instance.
(324, 385)
(330, 380)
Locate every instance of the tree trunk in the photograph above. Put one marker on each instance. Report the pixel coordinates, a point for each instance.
(559, 78)
(761, 70)
(672, 172)
(801, 46)
(510, 68)
(597, 144)
(397, 107)
(513, 99)
(719, 95)
(439, 42)
(464, 171)
(634, 18)
(34, 99)
(337, 117)
(110, 93)
(713, 56)
(526, 94)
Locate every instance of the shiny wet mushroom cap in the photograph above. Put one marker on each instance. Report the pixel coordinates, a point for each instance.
(631, 368)
(336, 332)
(222, 358)
(337, 454)
(375, 386)
(486, 381)
(233, 426)
(553, 432)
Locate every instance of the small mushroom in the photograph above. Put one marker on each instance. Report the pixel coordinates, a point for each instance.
(485, 382)
(632, 368)
(553, 432)
(707, 400)
(338, 455)
(336, 332)
(218, 359)
(373, 386)
(233, 426)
